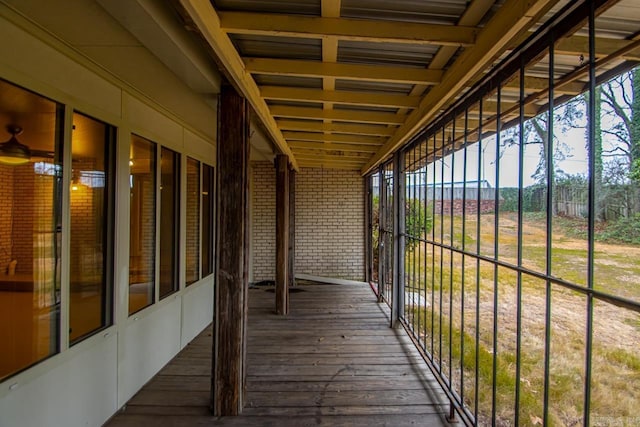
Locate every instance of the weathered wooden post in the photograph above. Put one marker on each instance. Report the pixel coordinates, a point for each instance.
(231, 289)
(282, 234)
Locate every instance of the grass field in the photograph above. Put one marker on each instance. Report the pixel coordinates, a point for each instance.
(615, 384)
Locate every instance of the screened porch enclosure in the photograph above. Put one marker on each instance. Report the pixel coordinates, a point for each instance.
(511, 224)
(320, 212)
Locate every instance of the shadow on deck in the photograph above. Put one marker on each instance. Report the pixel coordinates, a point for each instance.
(333, 361)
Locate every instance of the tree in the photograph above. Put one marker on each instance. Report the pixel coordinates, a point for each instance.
(621, 96)
(596, 152)
(621, 113)
(536, 132)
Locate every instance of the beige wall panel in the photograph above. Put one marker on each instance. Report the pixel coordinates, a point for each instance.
(152, 124)
(199, 148)
(43, 69)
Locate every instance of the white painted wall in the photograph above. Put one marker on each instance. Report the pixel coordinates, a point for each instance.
(85, 384)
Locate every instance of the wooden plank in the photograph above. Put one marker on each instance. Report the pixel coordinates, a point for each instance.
(282, 235)
(335, 128)
(372, 141)
(373, 117)
(346, 29)
(358, 148)
(231, 280)
(338, 398)
(389, 383)
(364, 72)
(367, 410)
(305, 372)
(284, 419)
(369, 99)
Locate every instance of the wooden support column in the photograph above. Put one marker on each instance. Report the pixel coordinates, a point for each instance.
(230, 300)
(292, 227)
(282, 234)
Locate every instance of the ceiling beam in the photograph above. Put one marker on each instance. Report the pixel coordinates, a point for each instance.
(472, 15)
(329, 165)
(329, 9)
(513, 18)
(332, 153)
(346, 29)
(322, 137)
(298, 145)
(579, 45)
(340, 128)
(368, 99)
(314, 158)
(339, 115)
(380, 73)
(206, 19)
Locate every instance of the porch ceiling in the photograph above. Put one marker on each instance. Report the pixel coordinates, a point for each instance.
(343, 83)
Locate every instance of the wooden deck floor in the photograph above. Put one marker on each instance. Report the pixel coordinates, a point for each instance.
(333, 361)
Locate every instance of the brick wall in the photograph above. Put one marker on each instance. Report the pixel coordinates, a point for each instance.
(6, 214)
(264, 221)
(86, 206)
(142, 247)
(29, 208)
(26, 217)
(193, 221)
(486, 206)
(329, 223)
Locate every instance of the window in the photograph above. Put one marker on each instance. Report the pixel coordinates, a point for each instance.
(169, 220)
(30, 230)
(193, 221)
(207, 220)
(142, 241)
(90, 303)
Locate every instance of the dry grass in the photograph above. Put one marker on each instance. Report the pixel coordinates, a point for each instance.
(616, 332)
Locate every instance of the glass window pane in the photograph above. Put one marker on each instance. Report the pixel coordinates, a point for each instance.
(169, 220)
(207, 218)
(90, 290)
(193, 221)
(30, 230)
(142, 241)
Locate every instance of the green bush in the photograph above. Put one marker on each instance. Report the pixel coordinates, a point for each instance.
(624, 230)
(418, 220)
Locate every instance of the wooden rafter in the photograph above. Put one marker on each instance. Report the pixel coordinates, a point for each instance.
(330, 137)
(339, 97)
(311, 145)
(512, 19)
(579, 45)
(330, 165)
(332, 153)
(339, 115)
(207, 21)
(346, 29)
(330, 9)
(341, 128)
(379, 73)
(471, 17)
